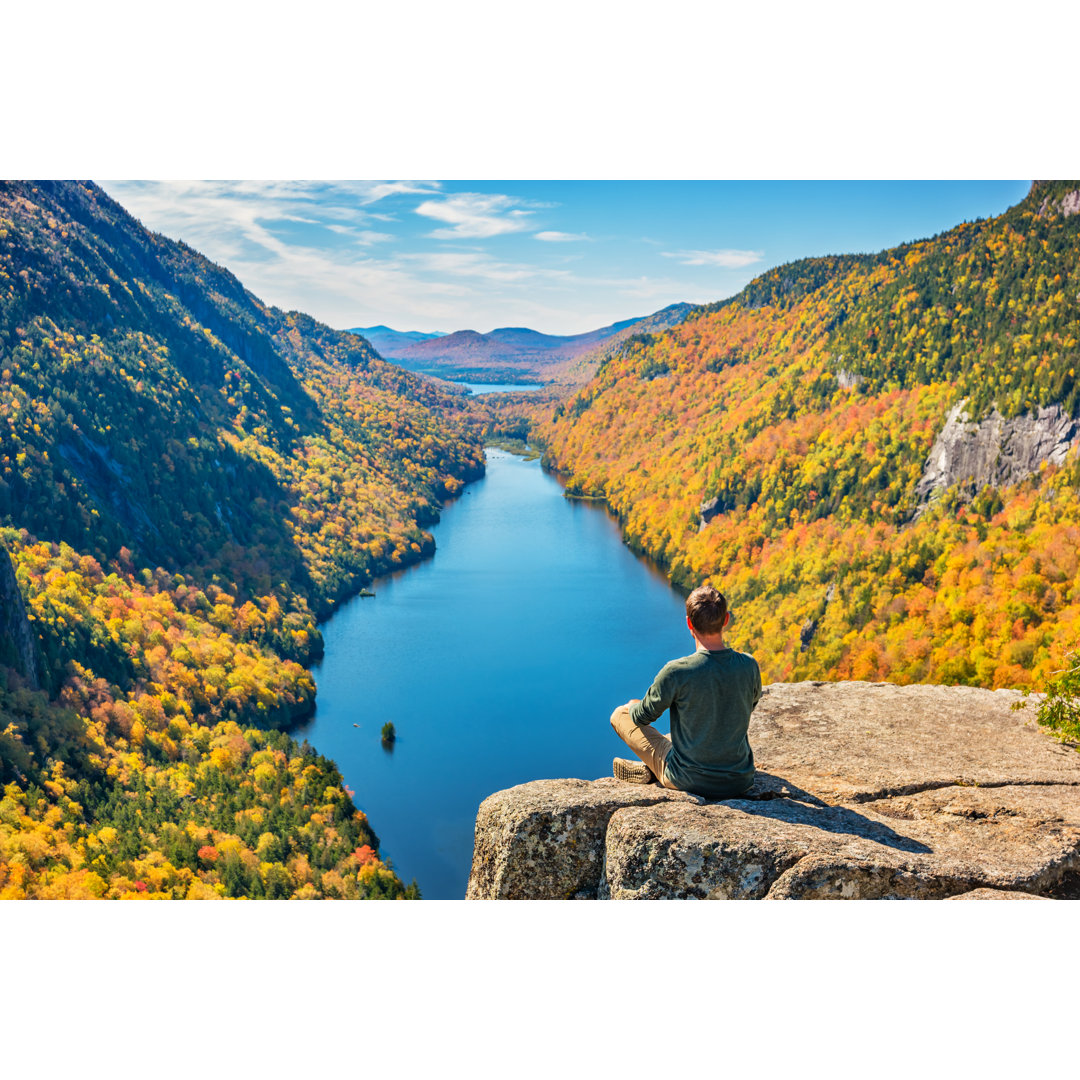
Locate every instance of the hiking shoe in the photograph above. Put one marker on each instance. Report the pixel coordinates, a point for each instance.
(633, 772)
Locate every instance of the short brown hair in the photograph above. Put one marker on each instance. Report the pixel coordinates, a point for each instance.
(707, 610)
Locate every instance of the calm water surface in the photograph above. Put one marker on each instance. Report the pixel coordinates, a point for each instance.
(501, 388)
(499, 661)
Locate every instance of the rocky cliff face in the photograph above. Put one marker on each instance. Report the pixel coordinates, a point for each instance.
(994, 451)
(864, 791)
(18, 648)
(1066, 203)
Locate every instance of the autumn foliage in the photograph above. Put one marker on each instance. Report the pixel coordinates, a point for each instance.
(189, 479)
(806, 407)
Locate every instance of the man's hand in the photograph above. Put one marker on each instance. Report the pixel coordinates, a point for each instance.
(633, 701)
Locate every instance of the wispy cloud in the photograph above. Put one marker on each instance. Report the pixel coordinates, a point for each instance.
(303, 245)
(553, 237)
(235, 221)
(477, 264)
(361, 236)
(475, 216)
(359, 253)
(374, 190)
(729, 258)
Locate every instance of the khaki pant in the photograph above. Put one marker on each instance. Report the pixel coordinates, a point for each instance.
(649, 745)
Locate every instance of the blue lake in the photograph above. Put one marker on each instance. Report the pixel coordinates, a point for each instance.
(499, 661)
(500, 388)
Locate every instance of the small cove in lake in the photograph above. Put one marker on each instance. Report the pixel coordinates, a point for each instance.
(498, 660)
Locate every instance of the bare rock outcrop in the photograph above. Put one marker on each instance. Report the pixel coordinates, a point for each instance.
(1066, 205)
(994, 451)
(864, 791)
(545, 840)
(996, 894)
(18, 648)
(710, 508)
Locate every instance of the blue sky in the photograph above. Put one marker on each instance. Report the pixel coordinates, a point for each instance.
(562, 257)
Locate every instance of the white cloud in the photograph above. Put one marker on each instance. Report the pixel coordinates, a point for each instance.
(328, 249)
(236, 225)
(374, 190)
(729, 258)
(478, 265)
(239, 226)
(232, 220)
(226, 215)
(559, 237)
(361, 236)
(471, 215)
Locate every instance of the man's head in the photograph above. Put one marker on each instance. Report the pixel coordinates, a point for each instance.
(707, 611)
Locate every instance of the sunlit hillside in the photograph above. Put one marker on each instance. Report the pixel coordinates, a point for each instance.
(777, 444)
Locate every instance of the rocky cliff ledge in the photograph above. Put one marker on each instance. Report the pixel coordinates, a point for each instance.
(864, 791)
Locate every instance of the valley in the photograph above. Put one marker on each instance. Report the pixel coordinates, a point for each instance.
(873, 455)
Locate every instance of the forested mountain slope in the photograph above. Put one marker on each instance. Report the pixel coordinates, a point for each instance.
(579, 369)
(778, 443)
(188, 478)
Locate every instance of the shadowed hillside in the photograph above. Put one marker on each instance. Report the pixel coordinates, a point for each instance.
(189, 479)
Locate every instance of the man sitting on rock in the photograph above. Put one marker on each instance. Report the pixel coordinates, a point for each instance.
(710, 695)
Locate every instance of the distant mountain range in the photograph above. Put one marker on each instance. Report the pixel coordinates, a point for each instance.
(386, 341)
(509, 352)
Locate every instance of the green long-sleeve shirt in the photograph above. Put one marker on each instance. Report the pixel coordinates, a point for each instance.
(710, 696)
